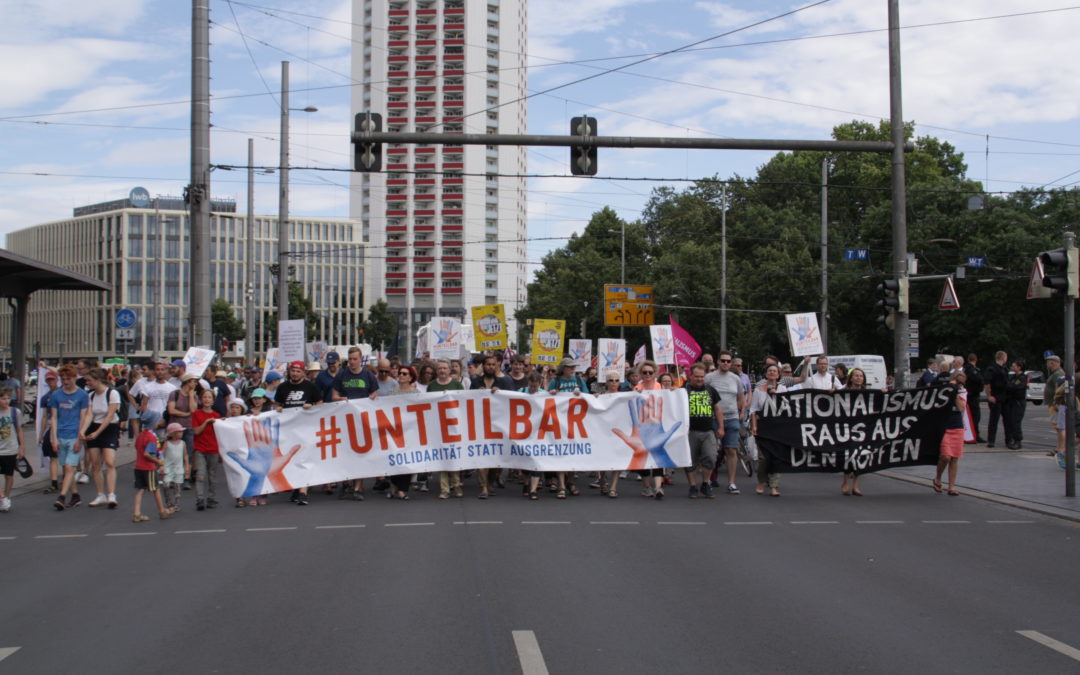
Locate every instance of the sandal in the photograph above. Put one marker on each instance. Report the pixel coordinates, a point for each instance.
(953, 493)
(574, 492)
(774, 492)
(857, 492)
(937, 485)
(140, 518)
(561, 494)
(533, 496)
(164, 515)
(612, 494)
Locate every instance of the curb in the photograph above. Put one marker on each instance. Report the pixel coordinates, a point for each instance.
(1023, 504)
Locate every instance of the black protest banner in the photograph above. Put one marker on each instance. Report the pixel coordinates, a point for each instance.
(854, 431)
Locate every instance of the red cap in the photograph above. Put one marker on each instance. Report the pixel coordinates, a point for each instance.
(297, 364)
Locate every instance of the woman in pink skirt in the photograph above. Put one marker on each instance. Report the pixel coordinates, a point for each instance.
(952, 443)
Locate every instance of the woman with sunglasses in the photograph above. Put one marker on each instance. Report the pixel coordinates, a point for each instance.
(769, 386)
(652, 479)
(406, 386)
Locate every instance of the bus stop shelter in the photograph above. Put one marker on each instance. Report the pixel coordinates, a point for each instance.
(20, 277)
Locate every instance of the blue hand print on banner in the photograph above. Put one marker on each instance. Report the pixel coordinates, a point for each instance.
(264, 461)
(647, 435)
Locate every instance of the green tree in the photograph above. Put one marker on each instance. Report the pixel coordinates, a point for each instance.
(380, 327)
(301, 306)
(224, 320)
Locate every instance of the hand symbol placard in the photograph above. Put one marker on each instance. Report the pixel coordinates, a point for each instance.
(647, 435)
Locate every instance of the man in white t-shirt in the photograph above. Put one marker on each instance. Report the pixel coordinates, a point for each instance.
(156, 397)
(823, 379)
(733, 402)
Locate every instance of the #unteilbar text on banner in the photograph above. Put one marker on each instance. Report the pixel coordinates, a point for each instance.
(854, 431)
(452, 431)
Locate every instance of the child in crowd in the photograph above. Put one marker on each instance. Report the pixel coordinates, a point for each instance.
(237, 409)
(11, 446)
(177, 467)
(147, 463)
(206, 451)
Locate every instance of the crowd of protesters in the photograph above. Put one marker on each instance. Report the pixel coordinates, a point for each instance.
(168, 414)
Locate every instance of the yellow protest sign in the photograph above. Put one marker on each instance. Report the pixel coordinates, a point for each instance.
(489, 327)
(547, 342)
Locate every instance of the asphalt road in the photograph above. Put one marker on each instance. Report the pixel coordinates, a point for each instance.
(901, 580)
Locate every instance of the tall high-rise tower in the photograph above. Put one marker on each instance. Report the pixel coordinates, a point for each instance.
(446, 224)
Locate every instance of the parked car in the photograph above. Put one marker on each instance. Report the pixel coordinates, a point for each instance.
(1036, 383)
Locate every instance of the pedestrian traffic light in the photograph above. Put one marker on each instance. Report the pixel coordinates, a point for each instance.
(583, 158)
(1060, 271)
(894, 298)
(224, 345)
(367, 157)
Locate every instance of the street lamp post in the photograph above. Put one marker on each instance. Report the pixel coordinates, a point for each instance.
(283, 196)
(723, 267)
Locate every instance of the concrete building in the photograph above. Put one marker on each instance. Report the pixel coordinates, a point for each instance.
(446, 224)
(145, 252)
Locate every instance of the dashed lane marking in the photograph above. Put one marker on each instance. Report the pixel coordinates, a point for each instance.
(198, 531)
(1047, 641)
(1010, 522)
(338, 527)
(407, 524)
(529, 654)
(60, 536)
(6, 538)
(8, 651)
(270, 529)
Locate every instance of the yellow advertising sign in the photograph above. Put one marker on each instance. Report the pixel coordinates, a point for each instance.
(547, 342)
(489, 327)
(628, 305)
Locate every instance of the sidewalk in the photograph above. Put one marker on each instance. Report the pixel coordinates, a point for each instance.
(125, 455)
(1025, 479)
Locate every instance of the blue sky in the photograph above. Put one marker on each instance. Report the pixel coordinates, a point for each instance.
(96, 94)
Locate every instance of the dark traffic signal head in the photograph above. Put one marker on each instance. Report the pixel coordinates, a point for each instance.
(367, 156)
(582, 158)
(1060, 271)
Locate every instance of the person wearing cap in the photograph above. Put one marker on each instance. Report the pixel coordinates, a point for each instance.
(258, 402)
(325, 379)
(272, 380)
(223, 393)
(1055, 402)
(12, 448)
(297, 392)
(176, 372)
(177, 461)
(47, 448)
(313, 370)
(566, 380)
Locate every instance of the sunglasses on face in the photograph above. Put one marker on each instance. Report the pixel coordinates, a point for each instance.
(646, 372)
(725, 360)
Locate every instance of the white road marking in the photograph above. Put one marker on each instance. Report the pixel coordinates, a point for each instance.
(879, 522)
(545, 522)
(748, 522)
(129, 534)
(337, 527)
(1047, 641)
(680, 522)
(478, 522)
(947, 522)
(270, 529)
(60, 536)
(198, 531)
(7, 651)
(529, 654)
(407, 524)
(6, 538)
(815, 522)
(1010, 522)
(614, 522)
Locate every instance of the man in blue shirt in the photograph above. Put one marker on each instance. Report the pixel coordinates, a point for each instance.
(66, 406)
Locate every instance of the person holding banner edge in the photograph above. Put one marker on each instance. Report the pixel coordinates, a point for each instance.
(952, 443)
(856, 379)
(769, 386)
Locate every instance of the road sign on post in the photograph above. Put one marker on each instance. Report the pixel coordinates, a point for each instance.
(628, 305)
(126, 318)
(948, 296)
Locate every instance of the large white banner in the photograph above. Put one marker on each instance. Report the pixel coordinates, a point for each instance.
(451, 431)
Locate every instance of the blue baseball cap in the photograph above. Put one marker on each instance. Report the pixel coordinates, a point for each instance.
(333, 357)
(179, 362)
(273, 376)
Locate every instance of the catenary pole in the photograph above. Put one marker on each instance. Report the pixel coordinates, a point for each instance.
(1070, 384)
(249, 253)
(283, 200)
(825, 254)
(198, 193)
(899, 195)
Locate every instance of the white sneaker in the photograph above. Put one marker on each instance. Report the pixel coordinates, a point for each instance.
(112, 500)
(5, 505)
(81, 478)
(100, 500)
(733, 489)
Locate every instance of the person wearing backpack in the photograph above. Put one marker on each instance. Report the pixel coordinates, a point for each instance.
(100, 431)
(12, 448)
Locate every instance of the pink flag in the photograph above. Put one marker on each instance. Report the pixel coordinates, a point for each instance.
(639, 356)
(687, 350)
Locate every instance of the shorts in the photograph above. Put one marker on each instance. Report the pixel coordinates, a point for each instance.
(702, 450)
(1057, 417)
(7, 464)
(47, 449)
(110, 438)
(952, 443)
(68, 456)
(146, 479)
(731, 432)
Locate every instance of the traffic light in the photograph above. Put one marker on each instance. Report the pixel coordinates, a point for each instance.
(224, 345)
(367, 157)
(582, 158)
(1060, 271)
(894, 298)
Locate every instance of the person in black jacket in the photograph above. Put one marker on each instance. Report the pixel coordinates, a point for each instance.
(974, 388)
(996, 376)
(1015, 404)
